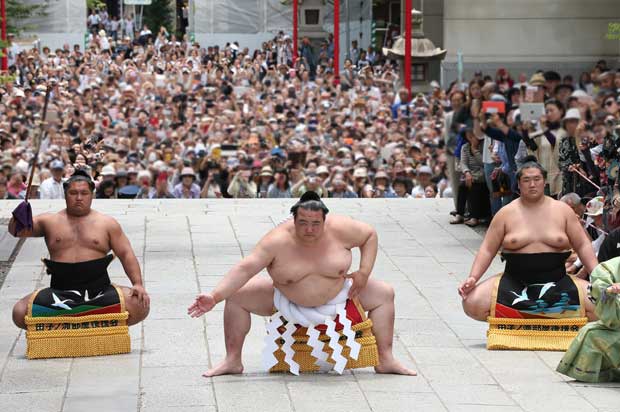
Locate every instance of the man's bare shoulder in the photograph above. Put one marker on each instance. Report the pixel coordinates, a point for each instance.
(108, 221)
(278, 235)
(344, 226)
(558, 206)
(47, 216)
(508, 212)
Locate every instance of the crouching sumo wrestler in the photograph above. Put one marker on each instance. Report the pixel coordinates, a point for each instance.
(308, 259)
(79, 239)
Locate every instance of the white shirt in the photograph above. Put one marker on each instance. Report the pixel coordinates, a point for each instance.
(13, 51)
(51, 189)
(94, 19)
(104, 43)
(417, 191)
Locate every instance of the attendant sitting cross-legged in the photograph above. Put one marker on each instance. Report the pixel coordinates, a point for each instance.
(78, 239)
(535, 233)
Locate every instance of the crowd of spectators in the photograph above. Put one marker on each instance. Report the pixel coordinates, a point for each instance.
(150, 115)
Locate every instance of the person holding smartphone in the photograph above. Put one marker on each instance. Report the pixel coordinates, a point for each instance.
(241, 186)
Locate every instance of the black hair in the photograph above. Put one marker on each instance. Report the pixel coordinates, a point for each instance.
(310, 201)
(79, 175)
(400, 180)
(552, 76)
(530, 162)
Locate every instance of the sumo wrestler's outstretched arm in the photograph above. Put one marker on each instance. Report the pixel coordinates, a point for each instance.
(490, 245)
(122, 248)
(579, 239)
(359, 234)
(38, 227)
(234, 280)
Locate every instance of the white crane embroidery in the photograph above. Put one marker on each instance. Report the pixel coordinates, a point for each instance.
(61, 303)
(86, 299)
(520, 298)
(544, 289)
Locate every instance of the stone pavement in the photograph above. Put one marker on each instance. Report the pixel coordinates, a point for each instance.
(186, 246)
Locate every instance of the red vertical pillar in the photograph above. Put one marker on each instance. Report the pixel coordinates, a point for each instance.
(295, 29)
(5, 57)
(407, 63)
(337, 41)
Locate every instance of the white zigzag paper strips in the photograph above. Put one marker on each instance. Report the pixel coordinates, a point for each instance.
(341, 361)
(348, 332)
(307, 317)
(288, 349)
(269, 359)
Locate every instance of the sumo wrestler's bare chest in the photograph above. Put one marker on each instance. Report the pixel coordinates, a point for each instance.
(294, 264)
(89, 235)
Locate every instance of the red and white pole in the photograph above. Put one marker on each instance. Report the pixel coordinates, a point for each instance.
(407, 68)
(5, 57)
(295, 29)
(337, 41)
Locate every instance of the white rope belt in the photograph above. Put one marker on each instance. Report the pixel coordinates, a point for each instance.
(310, 317)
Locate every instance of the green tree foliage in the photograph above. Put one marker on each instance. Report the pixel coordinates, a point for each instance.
(95, 4)
(159, 13)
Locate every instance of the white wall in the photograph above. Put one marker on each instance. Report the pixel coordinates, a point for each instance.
(566, 35)
(65, 22)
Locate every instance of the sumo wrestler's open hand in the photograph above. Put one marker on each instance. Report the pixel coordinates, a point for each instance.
(203, 304)
(143, 297)
(359, 282)
(466, 287)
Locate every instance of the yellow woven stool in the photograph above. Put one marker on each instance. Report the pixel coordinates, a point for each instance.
(536, 333)
(532, 334)
(76, 336)
(368, 355)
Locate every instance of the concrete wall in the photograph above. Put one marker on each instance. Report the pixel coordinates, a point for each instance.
(65, 22)
(524, 35)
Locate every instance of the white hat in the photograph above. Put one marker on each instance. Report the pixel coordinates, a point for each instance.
(22, 166)
(579, 93)
(360, 172)
(144, 174)
(266, 171)
(322, 169)
(108, 170)
(188, 171)
(595, 206)
(425, 169)
(435, 85)
(159, 165)
(572, 114)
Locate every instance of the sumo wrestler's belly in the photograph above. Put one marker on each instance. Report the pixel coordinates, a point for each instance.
(312, 290)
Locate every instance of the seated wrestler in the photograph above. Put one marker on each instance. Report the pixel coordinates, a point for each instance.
(535, 233)
(308, 259)
(79, 239)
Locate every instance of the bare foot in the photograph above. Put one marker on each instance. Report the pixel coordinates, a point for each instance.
(394, 367)
(226, 367)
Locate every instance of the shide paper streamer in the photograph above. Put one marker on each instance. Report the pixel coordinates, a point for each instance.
(310, 318)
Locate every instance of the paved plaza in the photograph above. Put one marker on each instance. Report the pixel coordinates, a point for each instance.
(185, 247)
